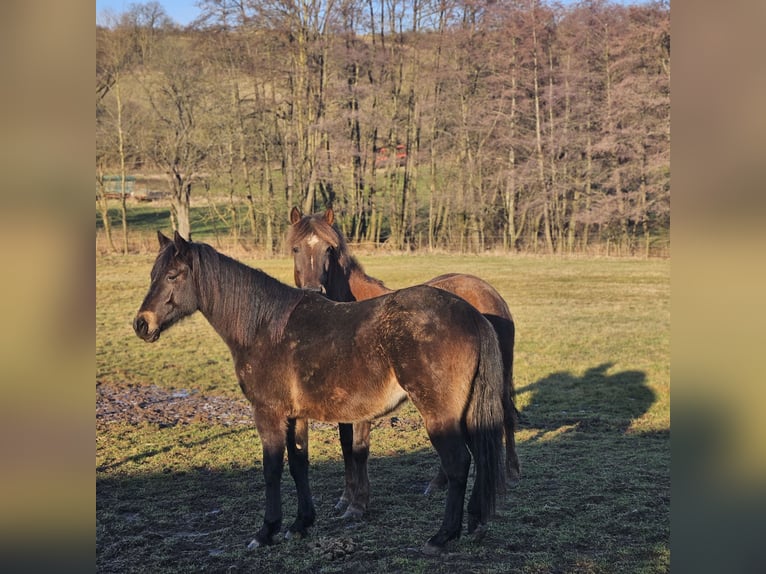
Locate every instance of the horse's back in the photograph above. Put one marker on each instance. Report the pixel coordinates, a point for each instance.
(476, 291)
(427, 305)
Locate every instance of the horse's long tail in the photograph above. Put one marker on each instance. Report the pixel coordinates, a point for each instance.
(484, 423)
(506, 335)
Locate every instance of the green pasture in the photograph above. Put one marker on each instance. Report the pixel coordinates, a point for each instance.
(592, 374)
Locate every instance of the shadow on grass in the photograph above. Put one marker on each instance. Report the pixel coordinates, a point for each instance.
(203, 518)
(138, 458)
(595, 401)
(204, 221)
(593, 498)
(140, 218)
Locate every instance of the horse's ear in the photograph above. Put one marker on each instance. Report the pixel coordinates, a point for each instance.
(162, 239)
(181, 245)
(295, 215)
(329, 216)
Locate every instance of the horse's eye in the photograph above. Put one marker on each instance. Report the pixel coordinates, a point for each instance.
(295, 250)
(172, 277)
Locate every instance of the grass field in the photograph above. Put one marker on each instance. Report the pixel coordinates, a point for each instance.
(593, 380)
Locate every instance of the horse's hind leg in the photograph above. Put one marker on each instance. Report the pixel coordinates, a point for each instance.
(298, 461)
(449, 442)
(510, 424)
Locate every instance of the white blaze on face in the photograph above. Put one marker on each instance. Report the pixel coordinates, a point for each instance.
(312, 240)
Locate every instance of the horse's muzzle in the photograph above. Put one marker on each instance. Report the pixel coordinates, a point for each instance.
(141, 327)
(319, 289)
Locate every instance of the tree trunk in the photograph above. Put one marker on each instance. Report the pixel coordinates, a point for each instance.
(544, 191)
(123, 169)
(103, 207)
(179, 205)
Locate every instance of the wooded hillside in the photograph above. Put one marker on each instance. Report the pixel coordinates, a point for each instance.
(447, 124)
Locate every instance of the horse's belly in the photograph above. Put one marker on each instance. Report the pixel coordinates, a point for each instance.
(352, 401)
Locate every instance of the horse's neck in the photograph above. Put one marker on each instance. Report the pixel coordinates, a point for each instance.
(338, 288)
(363, 286)
(242, 303)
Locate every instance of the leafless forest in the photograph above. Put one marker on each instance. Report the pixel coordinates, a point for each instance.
(464, 125)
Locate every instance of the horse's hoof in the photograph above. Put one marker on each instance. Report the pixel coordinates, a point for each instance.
(353, 512)
(289, 535)
(341, 504)
(255, 543)
(432, 549)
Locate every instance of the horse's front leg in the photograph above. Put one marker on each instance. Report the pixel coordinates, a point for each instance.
(298, 461)
(272, 436)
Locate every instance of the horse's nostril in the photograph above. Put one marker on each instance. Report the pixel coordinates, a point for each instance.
(140, 326)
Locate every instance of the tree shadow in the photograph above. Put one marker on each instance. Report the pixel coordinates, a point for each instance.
(144, 218)
(141, 457)
(594, 496)
(203, 517)
(589, 481)
(596, 401)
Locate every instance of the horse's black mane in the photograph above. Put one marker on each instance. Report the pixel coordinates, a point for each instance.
(229, 289)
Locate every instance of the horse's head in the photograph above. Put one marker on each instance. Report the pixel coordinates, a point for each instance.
(172, 295)
(316, 247)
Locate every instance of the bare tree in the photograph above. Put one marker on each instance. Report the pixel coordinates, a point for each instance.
(102, 204)
(116, 56)
(177, 140)
(466, 124)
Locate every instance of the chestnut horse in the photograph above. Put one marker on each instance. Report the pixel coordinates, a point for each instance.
(298, 356)
(322, 262)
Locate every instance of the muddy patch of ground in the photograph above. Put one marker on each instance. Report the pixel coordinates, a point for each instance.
(130, 403)
(138, 404)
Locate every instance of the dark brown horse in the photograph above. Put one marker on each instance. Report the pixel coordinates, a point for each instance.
(300, 356)
(322, 262)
